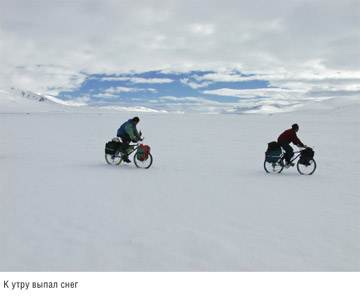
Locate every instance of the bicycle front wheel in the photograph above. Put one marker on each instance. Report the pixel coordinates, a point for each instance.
(113, 159)
(306, 169)
(274, 167)
(143, 164)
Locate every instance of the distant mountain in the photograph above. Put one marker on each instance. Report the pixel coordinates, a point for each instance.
(27, 95)
(17, 100)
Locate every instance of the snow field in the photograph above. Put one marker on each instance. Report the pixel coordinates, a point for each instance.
(206, 204)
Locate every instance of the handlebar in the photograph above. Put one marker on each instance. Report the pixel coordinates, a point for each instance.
(138, 140)
(303, 148)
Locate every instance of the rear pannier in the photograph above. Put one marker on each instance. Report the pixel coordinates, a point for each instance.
(112, 146)
(273, 153)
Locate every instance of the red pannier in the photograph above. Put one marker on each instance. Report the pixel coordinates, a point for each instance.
(143, 152)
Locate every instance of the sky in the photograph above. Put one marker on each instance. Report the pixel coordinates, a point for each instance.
(181, 52)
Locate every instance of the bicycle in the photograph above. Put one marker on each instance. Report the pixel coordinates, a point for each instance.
(304, 167)
(117, 157)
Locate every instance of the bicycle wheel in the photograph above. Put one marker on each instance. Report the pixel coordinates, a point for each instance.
(143, 164)
(112, 159)
(306, 169)
(274, 167)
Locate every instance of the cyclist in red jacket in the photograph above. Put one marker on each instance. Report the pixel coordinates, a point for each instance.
(285, 139)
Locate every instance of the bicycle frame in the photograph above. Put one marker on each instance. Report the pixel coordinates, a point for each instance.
(294, 157)
(134, 148)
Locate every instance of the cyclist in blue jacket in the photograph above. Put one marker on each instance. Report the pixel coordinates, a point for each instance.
(128, 132)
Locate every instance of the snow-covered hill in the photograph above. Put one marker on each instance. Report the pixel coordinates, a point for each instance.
(206, 204)
(19, 101)
(15, 101)
(27, 95)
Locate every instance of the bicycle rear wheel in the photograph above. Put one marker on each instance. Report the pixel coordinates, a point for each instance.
(143, 164)
(113, 159)
(274, 167)
(306, 169)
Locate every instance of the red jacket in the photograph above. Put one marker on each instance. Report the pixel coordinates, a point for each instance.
(289, 136)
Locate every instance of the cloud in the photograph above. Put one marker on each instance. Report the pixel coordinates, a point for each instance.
(229, 75)
(139, 80)
(192, 100)
(202, 29)
(275, 93)
(305, 80)
(105, 96)
(121, 89)
(115, 79)
(194, 85)
(80, 101)
(150, 80)
(54, 46)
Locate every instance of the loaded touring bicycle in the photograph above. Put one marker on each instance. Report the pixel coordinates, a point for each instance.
(142, 156)
(275, 159)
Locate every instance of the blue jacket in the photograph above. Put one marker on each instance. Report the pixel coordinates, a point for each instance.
(128, 128)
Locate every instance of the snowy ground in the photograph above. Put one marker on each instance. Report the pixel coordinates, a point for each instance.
(206, 204)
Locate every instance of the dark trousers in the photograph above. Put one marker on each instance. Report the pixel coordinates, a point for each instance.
(289, 152)
(125, 138)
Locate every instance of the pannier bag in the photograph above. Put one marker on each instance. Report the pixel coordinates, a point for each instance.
(306, 156)
(112, 146)
(273, 146)
(273, 153)
(143, 152)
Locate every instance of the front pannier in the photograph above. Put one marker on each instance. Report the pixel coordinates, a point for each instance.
(143, 152)
(306, 156)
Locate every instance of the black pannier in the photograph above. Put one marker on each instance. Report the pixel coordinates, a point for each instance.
(306, 156)
(273, 146)
(111, 147)
(273, 153)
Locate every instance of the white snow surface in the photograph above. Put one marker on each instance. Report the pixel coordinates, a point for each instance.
(206, 204)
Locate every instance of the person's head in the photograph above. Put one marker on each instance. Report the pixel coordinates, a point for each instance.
(135, 120)
(295, 127)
